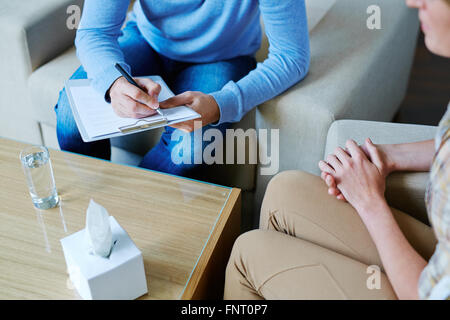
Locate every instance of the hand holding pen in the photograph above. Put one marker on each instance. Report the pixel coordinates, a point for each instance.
(134, 98)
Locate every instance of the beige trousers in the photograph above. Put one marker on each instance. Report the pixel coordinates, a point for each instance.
(312, 246)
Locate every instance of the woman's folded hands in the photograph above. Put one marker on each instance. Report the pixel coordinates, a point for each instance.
(357, 174)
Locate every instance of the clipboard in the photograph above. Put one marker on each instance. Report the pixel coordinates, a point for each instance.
(143, 124)
(96, 119)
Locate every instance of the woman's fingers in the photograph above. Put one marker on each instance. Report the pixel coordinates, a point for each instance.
(325, 167)
(374, 155)
(342, 155)
(329, 180)
(334, 192)
(354, 150)
(334, 162)
(331, 184)
(324, 175)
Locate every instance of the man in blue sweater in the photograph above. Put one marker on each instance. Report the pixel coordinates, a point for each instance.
(203, 49)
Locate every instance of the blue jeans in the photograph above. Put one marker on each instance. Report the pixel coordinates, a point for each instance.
(180, 77)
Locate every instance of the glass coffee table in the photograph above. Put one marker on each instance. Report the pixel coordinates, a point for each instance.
(184, 228)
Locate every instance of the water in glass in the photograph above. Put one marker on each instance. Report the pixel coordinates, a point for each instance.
(41, 183)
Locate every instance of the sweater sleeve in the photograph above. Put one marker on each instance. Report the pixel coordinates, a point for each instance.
(96, 41)
(287, 63)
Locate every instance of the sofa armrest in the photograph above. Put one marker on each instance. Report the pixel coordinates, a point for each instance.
(404, 190)
(34, 32)
(37, 29)
(380, 133)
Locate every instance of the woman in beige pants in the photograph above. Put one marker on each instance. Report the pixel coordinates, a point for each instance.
(314, 246)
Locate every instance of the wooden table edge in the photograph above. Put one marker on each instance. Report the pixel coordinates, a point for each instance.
(207, 279)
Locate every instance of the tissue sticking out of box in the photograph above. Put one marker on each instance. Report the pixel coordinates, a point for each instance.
(98, 230)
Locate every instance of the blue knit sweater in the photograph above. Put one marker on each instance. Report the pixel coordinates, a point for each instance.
(203, 31)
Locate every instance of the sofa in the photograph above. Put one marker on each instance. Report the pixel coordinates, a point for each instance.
(355, 73)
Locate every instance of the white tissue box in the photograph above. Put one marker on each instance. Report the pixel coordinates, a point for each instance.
(121, 276)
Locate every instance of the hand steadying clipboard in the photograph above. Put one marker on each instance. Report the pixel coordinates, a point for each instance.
(96, 119)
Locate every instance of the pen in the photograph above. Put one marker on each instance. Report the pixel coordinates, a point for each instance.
(127, 76)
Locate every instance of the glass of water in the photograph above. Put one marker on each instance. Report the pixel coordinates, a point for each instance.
(39, 173)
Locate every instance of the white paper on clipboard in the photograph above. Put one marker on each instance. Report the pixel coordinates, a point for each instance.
(96, 119)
